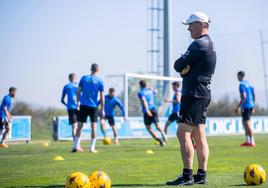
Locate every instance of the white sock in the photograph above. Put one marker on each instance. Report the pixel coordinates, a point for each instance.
(164, 136)
(76, 142)
(247, 139)
(252, 141)
(93, 144)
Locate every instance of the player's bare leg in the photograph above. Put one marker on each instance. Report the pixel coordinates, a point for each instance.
(246, 134)
(79, 129)
(3, 140)
(114, 128)
(158, 127)
(1, 129)
(166, 126)
(74, 129)
(152, 133)
(93, 137)
(187, 153)
(245, 125)
(202, 146)
(193, 140)
(202, 150)
(103, 129)
(77, 139)
(249, 133)
(187, 149)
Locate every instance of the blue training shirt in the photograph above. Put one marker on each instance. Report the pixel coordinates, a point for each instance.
(5, 102)
(148, 94)
(110, 104)
(90, 86)
(246, 87)
(176, 106)
(70, 90)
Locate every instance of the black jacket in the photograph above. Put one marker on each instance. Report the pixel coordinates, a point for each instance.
(201, 57)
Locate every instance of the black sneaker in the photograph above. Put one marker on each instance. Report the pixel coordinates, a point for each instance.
(200, 179)
(162, 143)
(74, 150)
(181, 180)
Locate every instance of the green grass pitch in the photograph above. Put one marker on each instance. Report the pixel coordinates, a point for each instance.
(32, 165)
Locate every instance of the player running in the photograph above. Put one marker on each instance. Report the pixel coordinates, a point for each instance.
(87, 98)
(146, 96)
(247, 101)
(70, 90)
(111, 101)
(175, 105)
(5, 116)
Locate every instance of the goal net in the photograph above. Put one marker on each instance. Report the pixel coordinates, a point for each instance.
(127, 87)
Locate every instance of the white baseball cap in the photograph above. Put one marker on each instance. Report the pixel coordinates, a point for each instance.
(197, 17)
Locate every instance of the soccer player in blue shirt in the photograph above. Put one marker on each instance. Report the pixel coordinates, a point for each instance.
(70, 90)
(247, 101)
(146, 96)
(174, 116)
(5, 116)
(90, 86)
(111, 101)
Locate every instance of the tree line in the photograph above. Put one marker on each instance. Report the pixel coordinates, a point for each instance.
(42, 117)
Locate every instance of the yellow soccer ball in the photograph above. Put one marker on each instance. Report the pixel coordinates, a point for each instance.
(77, 180)
(107, 141)
(254, 174)
(99, 179)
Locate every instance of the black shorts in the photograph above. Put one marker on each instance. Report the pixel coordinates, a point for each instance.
(173, 117)
(86, 111)
(193, 110)
(149, 120)
(246, 113)
(72, 113)
(110, 120)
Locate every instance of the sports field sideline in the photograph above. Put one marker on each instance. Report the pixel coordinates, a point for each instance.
(32, 165)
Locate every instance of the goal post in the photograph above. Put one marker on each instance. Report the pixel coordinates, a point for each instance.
(127, 87)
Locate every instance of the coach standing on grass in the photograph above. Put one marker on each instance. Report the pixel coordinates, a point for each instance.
(196, 67)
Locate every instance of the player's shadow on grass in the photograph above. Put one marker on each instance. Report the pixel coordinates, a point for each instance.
(114, 185)
(237, 185)
(35, 186)
(137, 185)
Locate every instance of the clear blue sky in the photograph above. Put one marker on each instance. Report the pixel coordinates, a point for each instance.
(42, 41)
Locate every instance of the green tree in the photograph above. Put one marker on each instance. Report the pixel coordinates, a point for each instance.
(41, 122)
(225, 107)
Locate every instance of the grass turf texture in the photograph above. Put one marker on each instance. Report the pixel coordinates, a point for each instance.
(32, 165)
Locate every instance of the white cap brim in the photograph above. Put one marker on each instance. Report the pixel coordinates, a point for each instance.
(184, 22)
(188, 23)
